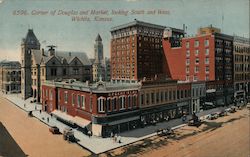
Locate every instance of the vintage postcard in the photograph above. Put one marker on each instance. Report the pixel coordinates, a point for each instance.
(161, 78)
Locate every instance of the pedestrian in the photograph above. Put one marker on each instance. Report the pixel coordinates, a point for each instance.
(119, 139)
(40, 111)
(111, 134)
(115, 138)
(89, 133)
(184, 117)
(48, 119)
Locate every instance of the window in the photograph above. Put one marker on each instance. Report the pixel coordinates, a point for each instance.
(129, 101)
(101, 102)
(122, 102)
(206, 42)
(166, 95)
(187, 69)
(64, 71)
(207, 69)
(134, 101)
(109, 105)
(207, 52)
(170, 95)
(114, 103)
(196, 52)
(53, 71)
(195, 78)
(76, 71)
(147, 98)
(58, 96)
(73, 99)
(187, 44)
(196, 60)
(188, 53)
(78, 100)
(206, 60)
(83, 102)
(196, 69)
(207, 78)
(46, 93)
(51, 95)
(196, 43)
(152, 97)
(90, 103)
(187, 61)
(65, 97)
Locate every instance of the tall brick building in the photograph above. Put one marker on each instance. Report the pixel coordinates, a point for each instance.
(136, 50)
(208, 56)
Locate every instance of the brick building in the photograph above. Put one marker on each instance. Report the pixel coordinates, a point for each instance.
(193, 60)
(10, 76)
(39, 65)
(101, 107)
(241, 69)
(208, 56)
(136, 50)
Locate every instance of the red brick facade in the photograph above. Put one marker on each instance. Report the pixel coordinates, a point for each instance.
(193, 61)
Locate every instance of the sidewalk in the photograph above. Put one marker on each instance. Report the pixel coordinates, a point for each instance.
(95, 144)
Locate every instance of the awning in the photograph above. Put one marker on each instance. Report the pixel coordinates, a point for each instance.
(211, 91)
(124, 120)
(63, 116)
(81, 121)
(74, 120)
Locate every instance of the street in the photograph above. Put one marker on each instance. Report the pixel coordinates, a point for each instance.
(32, 136)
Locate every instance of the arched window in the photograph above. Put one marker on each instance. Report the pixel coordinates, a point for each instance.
(122, 102)
(114, 107)
(101, 104)
(109, 107)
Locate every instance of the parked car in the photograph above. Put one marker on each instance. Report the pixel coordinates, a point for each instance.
(54, 130)
(248, 106)
(222, 113)
(68, 134)
(213, 116)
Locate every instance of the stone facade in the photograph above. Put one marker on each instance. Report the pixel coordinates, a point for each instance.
(39, 65)
(241, 69)
(10, 77)
(100, 65)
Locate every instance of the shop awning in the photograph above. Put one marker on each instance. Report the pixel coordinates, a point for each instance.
(63, 115)
(81, 121)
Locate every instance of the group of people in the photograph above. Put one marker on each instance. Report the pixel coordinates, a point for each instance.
(115, 137)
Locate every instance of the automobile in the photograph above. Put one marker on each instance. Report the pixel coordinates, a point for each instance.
(68, 135)
(248, 106)
(213, 116)
(233, 109)
(222, 113)
(54, 130)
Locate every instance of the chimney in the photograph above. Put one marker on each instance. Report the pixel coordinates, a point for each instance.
(43, 52)
(51, 50)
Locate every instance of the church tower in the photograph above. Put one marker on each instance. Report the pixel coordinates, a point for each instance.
(98, 68)
(29, 43)
(98, 49)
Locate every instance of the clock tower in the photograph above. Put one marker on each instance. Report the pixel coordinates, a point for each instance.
(28, 44)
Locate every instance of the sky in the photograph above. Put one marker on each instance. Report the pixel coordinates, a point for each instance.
(232, 16)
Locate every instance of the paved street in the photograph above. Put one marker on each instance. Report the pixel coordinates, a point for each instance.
(33, 137)
(227, 136)
(96, 145)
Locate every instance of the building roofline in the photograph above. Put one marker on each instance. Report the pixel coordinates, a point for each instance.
(137, 22)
